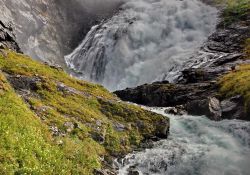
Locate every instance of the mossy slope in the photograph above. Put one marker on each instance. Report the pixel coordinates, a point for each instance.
(51, 123)
(237, 83)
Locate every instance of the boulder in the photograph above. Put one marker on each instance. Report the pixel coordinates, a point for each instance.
(177, 110)
(233, 108)
(209, 107)
(21, 82)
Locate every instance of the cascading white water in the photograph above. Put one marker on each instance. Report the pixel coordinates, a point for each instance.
(142, 42)
(196, 146)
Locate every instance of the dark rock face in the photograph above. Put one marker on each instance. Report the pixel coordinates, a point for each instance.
(209, 107)
(234, 108)
(7, 38)
(177, 110)
(48, 29)
(161, 94)
(196, 88)
(24, 83)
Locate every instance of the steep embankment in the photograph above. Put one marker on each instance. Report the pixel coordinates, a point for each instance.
(201, 86)
(51, 123)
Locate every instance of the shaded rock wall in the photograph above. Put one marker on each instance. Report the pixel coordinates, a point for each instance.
(7, 38)
(49, 29)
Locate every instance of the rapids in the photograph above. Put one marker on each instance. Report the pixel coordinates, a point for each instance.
(196, 146)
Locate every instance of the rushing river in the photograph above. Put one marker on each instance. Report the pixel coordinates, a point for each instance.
(196, 146)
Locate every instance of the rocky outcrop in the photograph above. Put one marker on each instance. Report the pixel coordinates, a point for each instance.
(7, 38)
(166, 94)
(209, 107)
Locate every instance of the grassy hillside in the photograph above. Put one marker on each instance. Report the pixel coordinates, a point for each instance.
(51, 123)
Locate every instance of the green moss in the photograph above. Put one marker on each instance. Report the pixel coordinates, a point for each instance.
(235, 10)
(81, 114)
(20, 64)
(237, 83)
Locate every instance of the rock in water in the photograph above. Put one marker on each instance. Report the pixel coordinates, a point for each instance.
(209, 107)
(233, 108)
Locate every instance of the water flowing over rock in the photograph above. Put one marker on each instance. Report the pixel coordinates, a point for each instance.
(142, 42)
(194, 82)
(195, 146)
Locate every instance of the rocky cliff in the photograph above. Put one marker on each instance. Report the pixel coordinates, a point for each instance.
(7, 38)
(49, 29)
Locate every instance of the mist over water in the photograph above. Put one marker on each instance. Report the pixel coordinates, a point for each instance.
(142, 42)
(196, 146)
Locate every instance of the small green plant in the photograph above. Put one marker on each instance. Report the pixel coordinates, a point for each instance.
(235, 10)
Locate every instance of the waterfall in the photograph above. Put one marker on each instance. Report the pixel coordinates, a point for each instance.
(142, 42)
(195, 146)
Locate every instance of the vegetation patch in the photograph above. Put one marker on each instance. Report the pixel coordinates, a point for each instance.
(237, 83)
(235, 10)
(51, 123)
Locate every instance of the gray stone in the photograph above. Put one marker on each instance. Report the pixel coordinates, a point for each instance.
(209, 107)
(233, 108)
(119, 127)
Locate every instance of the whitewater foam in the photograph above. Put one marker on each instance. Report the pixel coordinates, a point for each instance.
(142, 42)
(196, 146)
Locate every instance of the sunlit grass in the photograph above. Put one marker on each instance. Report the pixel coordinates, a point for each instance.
(27, 145)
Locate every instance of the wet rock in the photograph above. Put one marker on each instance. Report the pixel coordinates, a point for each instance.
(163, 128)
(132, 171)
(233, 108)
(147, 144)
(177, 110)
(167, 95)
(209, 107)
